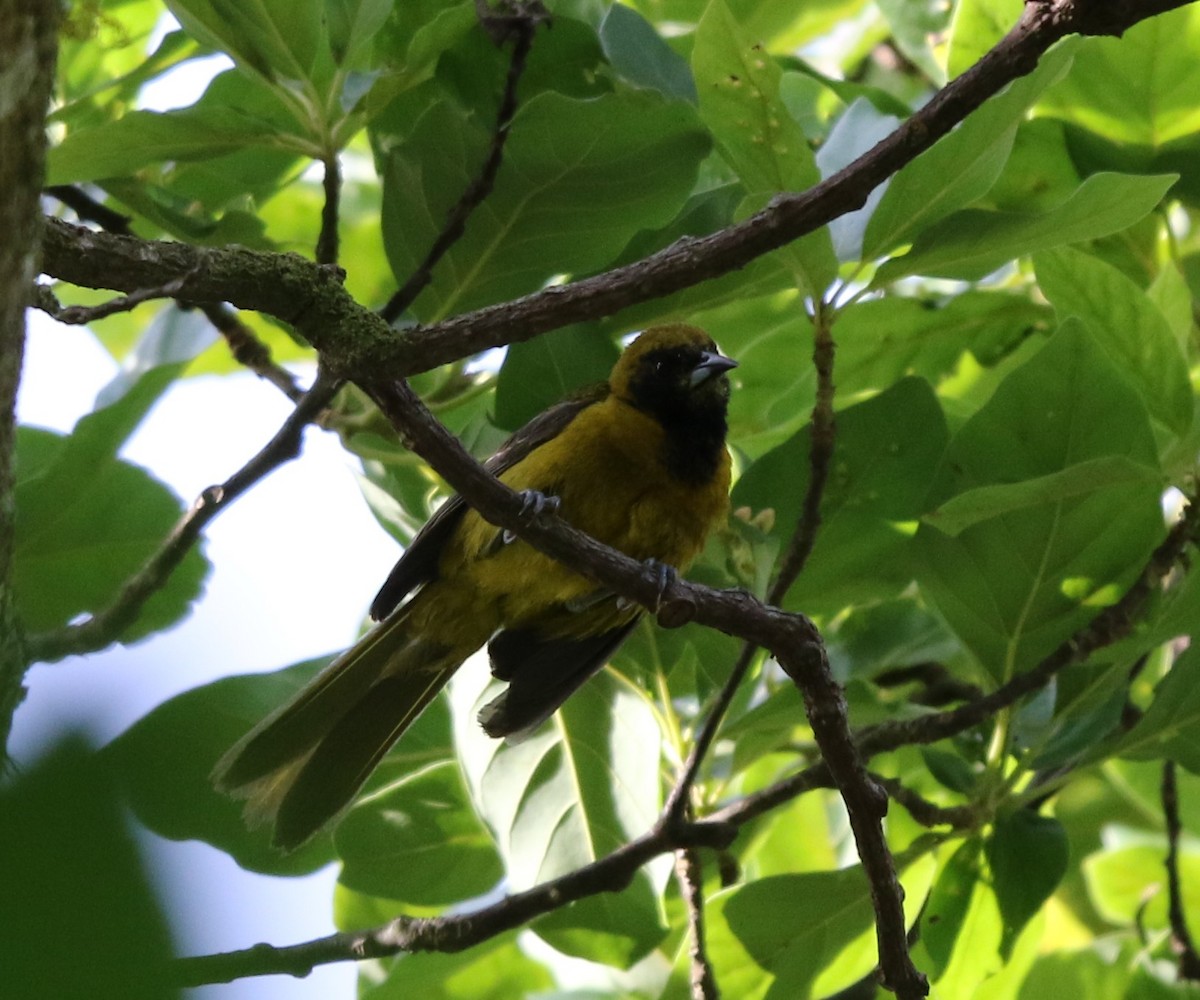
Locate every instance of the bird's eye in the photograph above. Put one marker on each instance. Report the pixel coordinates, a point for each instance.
(660, 366)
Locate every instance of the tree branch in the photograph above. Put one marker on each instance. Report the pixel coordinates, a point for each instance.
(690, 877)
(327, 239)
(28, 51)
(1181, 937)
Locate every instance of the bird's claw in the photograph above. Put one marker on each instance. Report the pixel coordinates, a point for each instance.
(533, 504)
(664, 576)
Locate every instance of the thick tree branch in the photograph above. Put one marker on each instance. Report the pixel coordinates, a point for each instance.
(28, 49)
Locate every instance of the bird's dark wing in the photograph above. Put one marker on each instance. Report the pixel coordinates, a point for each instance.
(542, 673)
(419, 564)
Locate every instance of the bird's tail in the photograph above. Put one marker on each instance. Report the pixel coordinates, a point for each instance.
(301, 766)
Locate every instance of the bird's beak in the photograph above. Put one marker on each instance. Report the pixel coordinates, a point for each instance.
(710, 366)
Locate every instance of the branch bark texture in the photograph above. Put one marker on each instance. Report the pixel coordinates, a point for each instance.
(28, 49)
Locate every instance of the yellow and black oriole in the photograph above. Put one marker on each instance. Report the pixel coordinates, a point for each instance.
(638, 462)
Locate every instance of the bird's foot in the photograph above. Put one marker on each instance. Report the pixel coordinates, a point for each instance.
(533, 504)
(664, 576)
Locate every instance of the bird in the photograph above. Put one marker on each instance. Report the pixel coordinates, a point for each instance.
(639, 462)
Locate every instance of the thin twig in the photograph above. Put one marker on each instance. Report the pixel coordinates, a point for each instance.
(81, 315)
(105, 627)
(690, 876)
(249, 351)
(455, 932)
(1181, 937)
(922, 810)
(522, 24)
(327, 241)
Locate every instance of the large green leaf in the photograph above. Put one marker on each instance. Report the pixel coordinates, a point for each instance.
(1027, 854)
(418, 839)
(1130, 102)
(579, 179)
(66, 847)
(1016, 585)
(580, 787)
(961, 167)
(278, 39)
(972, 243)
(164, 761)
(738, 86)
(539, 372)
(788, 937)
(503, 965)
(1126, 325)
(88, 521)
(1118, 878)
(886, 454)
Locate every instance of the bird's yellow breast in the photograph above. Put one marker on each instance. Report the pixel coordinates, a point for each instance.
(607, 468)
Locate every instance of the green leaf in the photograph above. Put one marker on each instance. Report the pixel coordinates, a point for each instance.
(738, 85)
(887, 635)
(984, 502)
(639, 54)
(65, 846)
(164, 761)
(537, 373)
(949, 903)
(418, 840)
(796, 936)
(1126, 883)
(277, 39)
(577, 789)
(236, 113)
(977, 25)
(861, 128)
(886, 454)
(1127, 326)
(510, 974)
(972, 243)
(961, 167)
(1016, 585)
(1028, 857)
(1129, 103)
(914, 26)
(1170, 729)
(352, 26)
(580, 178)
(1089, 972)
(87, 521)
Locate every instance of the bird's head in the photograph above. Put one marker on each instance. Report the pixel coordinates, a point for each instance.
(673, 371)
